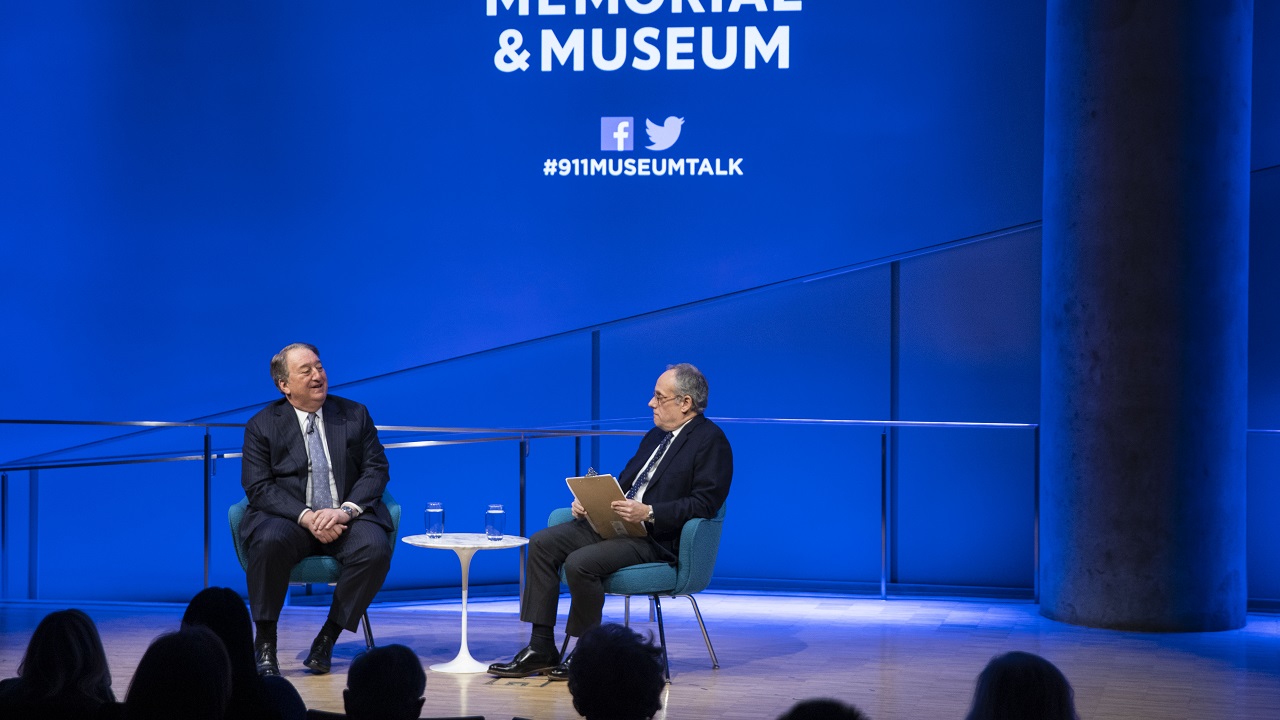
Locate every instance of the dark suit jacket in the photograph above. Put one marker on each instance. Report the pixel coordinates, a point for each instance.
(691, 481)
(274, 468)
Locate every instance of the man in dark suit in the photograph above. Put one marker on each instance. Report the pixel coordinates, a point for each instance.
(681, 471)
(314, 472)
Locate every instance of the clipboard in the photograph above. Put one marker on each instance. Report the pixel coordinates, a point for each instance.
(595, 493)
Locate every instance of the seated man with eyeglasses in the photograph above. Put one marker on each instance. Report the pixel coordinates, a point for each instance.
(682, 470)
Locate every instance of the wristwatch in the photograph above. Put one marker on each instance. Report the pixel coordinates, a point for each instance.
(650, 518)
(350, 513)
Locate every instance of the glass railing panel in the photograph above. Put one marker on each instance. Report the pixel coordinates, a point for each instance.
(963, 506)
(1263, 532)
(804, 509)
(123, 532)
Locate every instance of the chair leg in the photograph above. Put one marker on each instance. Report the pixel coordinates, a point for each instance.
(564, 646)
(368, 631)
(715, 664)
(662, 638)
(626, 610)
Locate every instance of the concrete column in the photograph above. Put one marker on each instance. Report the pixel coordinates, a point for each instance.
(1144, 309)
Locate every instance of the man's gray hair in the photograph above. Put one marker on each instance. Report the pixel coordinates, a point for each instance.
(690, 381)
(280, 363)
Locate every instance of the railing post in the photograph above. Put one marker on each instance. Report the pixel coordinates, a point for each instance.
(1035, 523)
(524, 454)
(884, 513)
(33, 533)
(208, 499)
(4, 536)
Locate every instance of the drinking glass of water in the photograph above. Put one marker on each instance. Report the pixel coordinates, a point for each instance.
(435, 520)
(495, 520)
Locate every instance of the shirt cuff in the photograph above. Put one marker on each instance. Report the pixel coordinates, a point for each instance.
(304, 512)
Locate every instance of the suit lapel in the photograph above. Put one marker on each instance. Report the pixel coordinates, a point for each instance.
(287, 423)
(335, 433)
(676, 443)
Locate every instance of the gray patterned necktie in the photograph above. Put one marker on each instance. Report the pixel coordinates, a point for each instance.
(320, 497)
(647, 474)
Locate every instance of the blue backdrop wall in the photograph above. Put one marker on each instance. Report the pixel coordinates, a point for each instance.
(188, 188)
(233, 176)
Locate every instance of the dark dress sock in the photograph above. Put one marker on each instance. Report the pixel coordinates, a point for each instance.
(266, 631)
(543, 638)
(331, 628)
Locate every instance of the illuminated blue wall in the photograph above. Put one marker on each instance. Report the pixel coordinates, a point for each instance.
(188, 187)
(189, 175)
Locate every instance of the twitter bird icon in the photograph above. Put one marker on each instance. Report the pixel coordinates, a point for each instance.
(665, 135)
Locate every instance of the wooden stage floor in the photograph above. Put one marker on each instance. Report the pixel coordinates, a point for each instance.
(898, 659)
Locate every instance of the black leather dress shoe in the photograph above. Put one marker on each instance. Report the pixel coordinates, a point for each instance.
(527, 662)
(264, 656)
(321, 655)
(560, 672)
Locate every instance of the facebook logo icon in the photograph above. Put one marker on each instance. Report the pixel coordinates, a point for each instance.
(617, 133)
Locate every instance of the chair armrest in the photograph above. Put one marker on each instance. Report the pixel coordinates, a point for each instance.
(235, 514)
(394, 510)
(559, 516)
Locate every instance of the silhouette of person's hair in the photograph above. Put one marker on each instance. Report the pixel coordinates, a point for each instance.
(615, 674)
(823, 709)
(184, 674)
(252, 697)
(64, 671)
(1020, 685)
(385, 683)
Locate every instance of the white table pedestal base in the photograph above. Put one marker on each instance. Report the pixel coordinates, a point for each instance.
(463, 663)
(465, 545)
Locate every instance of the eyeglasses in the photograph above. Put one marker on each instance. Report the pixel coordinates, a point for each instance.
(660, 399)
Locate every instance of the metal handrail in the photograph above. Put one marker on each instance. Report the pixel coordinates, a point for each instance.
(504, 434)
(208, 455)
(148, 425)
(179, 456)
(521, 435)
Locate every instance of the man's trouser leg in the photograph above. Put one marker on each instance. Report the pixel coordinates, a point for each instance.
(275, 546)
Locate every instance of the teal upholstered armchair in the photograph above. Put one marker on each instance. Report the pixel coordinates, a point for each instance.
(699, 544)
(315, 568)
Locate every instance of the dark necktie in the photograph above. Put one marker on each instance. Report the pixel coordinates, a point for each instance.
(320, 497)
(645, 475)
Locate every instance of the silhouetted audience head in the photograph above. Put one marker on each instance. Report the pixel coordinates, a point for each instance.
(823, 709)
(385, 683)
(1022, 686)
(222, 611)
(615, 674)
(64, 666)
(184, 675)
(252, 697)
